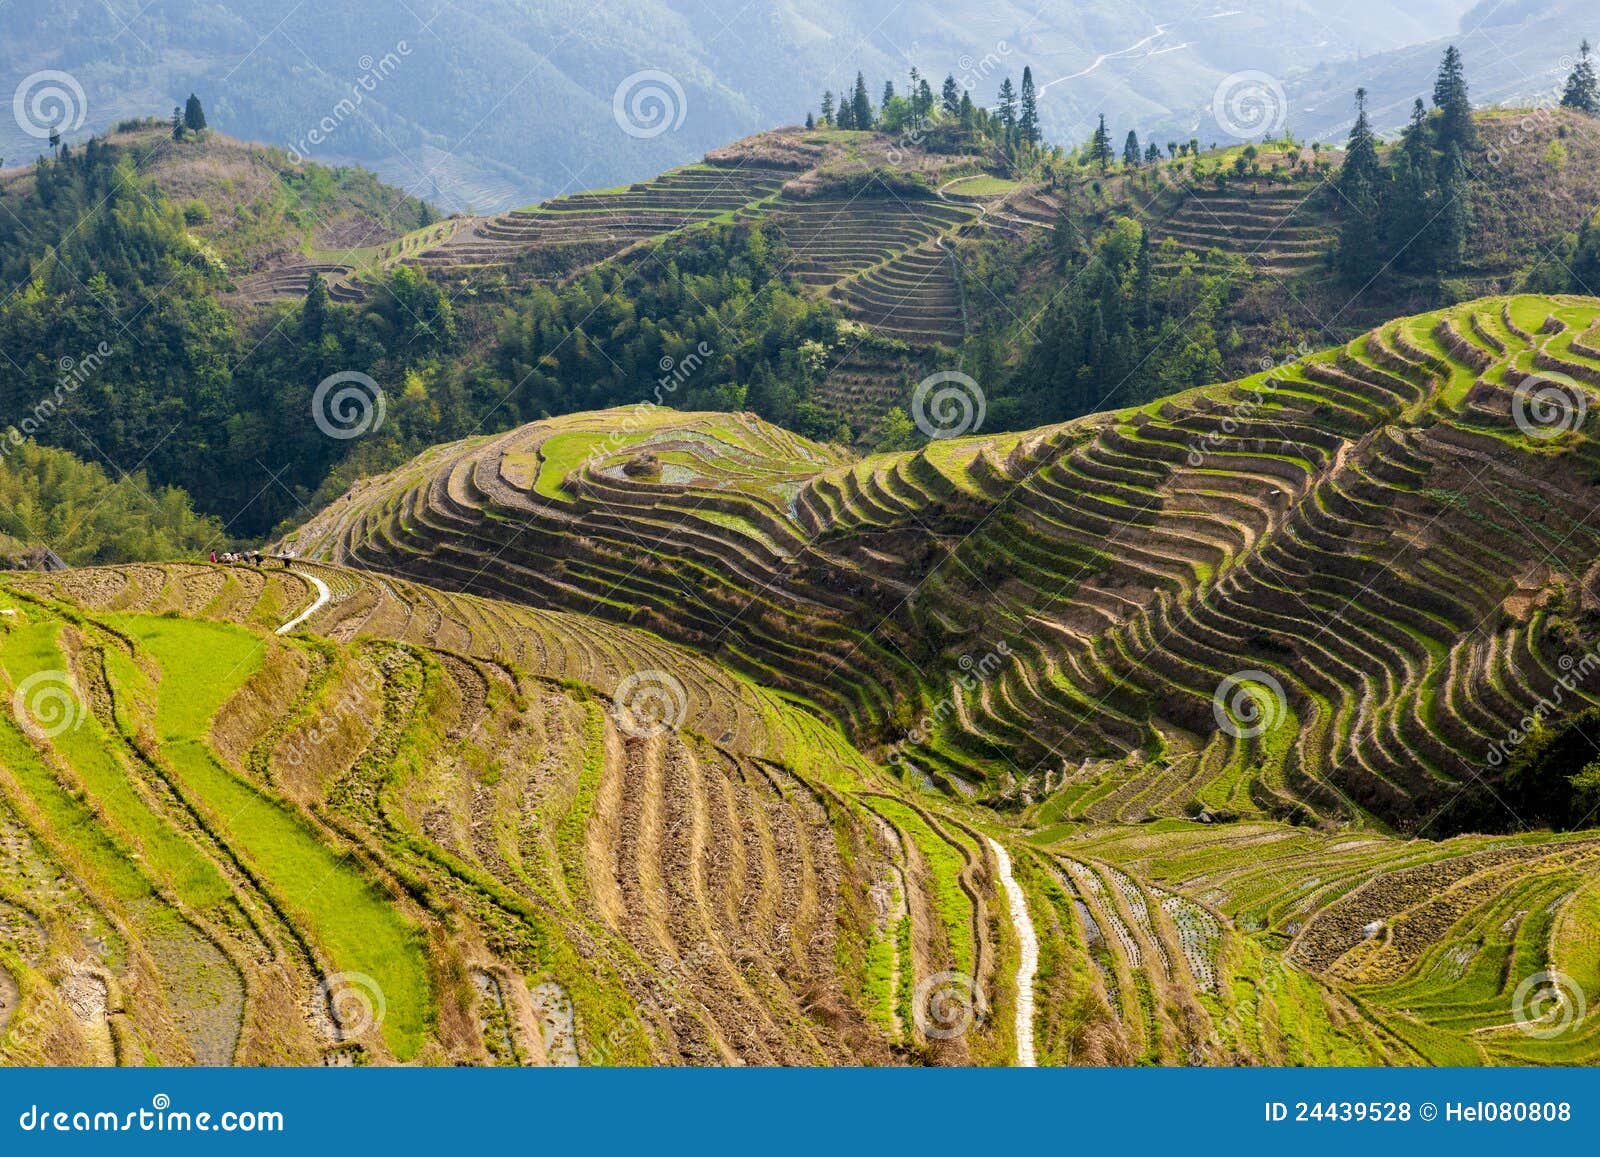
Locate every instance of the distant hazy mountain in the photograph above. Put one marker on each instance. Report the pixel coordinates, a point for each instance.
(1515, 51)
(504, 100)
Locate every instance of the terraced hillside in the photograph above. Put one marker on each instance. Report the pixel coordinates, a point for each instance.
(310, 814)
(444, 830)
(1329, 591)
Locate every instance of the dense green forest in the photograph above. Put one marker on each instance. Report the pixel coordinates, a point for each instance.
(50, 496)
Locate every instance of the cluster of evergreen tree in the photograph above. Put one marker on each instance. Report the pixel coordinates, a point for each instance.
(1411, 216)
(1118, 335)
(1012, 123)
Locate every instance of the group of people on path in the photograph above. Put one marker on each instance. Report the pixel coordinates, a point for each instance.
(249, 557)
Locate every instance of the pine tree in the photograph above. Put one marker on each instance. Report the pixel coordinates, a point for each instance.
(1007, 107)
(1411, 199)
(1359, 183)
(969, 111)
(863, 104)
(811, 121)
(194, 117)
(1132, 155)
(1100, 146)
(827, 106)
(1450, 98)
(177, 123)
(1153, 153)
(1583, 90)
(888, 95)
(924, 100)
(950, 97)
(314, 313)
(845, 118)
(1028, 118)
(1455, 212)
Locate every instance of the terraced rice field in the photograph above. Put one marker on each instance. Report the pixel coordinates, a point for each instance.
(1325, 532)
(1279, 230)
(427, 827)
(645, 737)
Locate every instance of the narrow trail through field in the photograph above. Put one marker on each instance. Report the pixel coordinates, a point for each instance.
(323, 595)
(1028, 966)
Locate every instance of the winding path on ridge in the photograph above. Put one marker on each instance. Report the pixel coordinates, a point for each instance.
(1161, 30)
(1028, 965)
(323, 595)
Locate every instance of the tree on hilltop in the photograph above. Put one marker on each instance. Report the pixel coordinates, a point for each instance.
(827, 106)
(950, 97)
(1583, 90)
(1028, 117)
(888, 94)
(1360, 179)
(1450, 98)
(1132, 154)
(861, 104)
(177, 123)
(1410, 212)
(194, 117)
(1100, 146)
(1007, 108)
